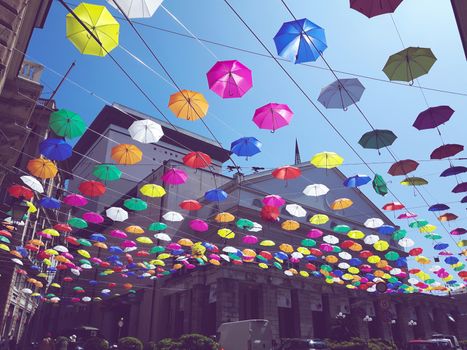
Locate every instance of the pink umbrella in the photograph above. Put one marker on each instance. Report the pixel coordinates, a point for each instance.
(75, 200)
(118, 234)
(93, 218)
(229, 79)
(314, 233)
(67, 255)
(45, 235)
(174, 177)
(198, 225)
(458, 231)
(407, 215)
(325, 247)
(445, 253)
(214, 257)
(250, 239)
(273, 116)
(96, 260)
(128, 244)
(174, 246)
(273, 200)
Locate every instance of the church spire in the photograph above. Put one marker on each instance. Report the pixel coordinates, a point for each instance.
(298, 159)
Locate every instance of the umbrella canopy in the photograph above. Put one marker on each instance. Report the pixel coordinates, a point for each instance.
(414, 181)
(447, 217)
(438, 207)
(152, 191)
(19, 191)
(269, 213)
(371, 8)
(409, 64)
(126, 154)
(190, 205)
(300, 41)
(341, 204)
(145, 131)
(459, 188)
(116, 214)
(199, 225)
(357, 180)
(403, 167)
(273, 200)
(373, 223)
(286, 172)
(246, 147)
(295, 210)
(55, 149)
(319, 219)
(215, 195)
(377, 139)
(446, 151)
(433, 117)
(175, 176)
(172, 216)
(326, 160)
(137, 8)
(32, 183)
(100, 22)
(229, 79)
(224, 217)
(67, 124)
(42, 168)
(92, 188)
(107, 172)
(93, 218)
(75, 200)
(197, 160)
(393, 206)
(379, 185)
(315, 190)
(49, 203)
(135, 204)
(273, 116)
(188, 105)
(341, 93)
(453, 170)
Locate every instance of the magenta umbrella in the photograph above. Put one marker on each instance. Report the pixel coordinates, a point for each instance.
(128, 244)
(325, 247)
(250, 239)
(174, 177)
(199, 225)
(433, 117)
(458, 231)
(230, 79)
(118, 234)
(314, 233)
(174, 246)
(75, 200)
(45, 235)
(447, 150)
(93, 218)
(273, 200)
(372, 8)
(407, 215)
(273, 116)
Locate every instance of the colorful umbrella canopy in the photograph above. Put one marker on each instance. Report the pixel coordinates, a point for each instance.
(197, 160)
(393, 206)
(295, 210)
(145, 131)
(55, 149)
(75, 200)
(152, 190)
(379, 185)
(286, 172)
(300, 41)
(137, 8)
(433, 117)
(32, 183)
(92, 188)
(371, 8)
(199, 225)
(438, 207)
(215, 195)
(229, 79)
(49, 203)
(188, 105)
(356, 181)
(447, 217)
(135, 204)
(107, 172)
(341, 94)
(273, 116)
(403, 167)
(373, 223)
(446, 151)
(459, 188)
(19, 191)
(273, 200)
(341, 204)
(175, 177)
(458, 231)
(116, 214)
(172, 216)
(100, 22)
(453, 170)
(414, 181)
(377, 139)
(319, 219)
(67, 124)
(315, 190)
(269, 213)
(246, 147)
(126, 154)
(190, 205)
(224, 217)
(93, 218)
(326, 160)
(42, 168)
(409, 64)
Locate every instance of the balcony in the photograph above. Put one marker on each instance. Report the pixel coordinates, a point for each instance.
(31, 71)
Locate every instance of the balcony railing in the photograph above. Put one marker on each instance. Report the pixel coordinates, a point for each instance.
(31, 71)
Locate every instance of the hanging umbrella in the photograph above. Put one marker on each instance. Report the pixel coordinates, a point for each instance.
(197, 160)
(462, 187)
(341, 204)
(295, 210)
(409, 64)
(453, 170)
(229, 79)
(414, 181)
(319, 219)
(152, 191)
(190, 205)
(100, 22)
(341, 93)
(273, 116)
(407, 215)
(438, 207)
(379, 185)
(175, 177)
(377, 139)
(92, 188)
(290, 225)
(199, 225)
(246, 147)
(326, 160)
(226, 233)
(215, 195)
(372, 8)
(300, 41)
(269, 213)
(93, 218)
(107, 172)
(356, 181)
(135, 229)
(373, 223)
(446, 151)
(157, 226)
(55, 149)
(42, 168)
(118, 234)
(49, 203)
(447, 217)
(458, 231)
(67, 124)
(224, 217)
(32, 183)
(315, 190)
(163, 237)
(188, 105)
(172, 216)
(433, 117)
(126, 154)
(464, 200)
(137, 8)
(286, 173)
(75, 200)
(403, 167)
(145, 131)
(116, 214)
(18, 191)
(244, 224)
(393, 206)
(273, 200)
(77, 223)
(135, 204)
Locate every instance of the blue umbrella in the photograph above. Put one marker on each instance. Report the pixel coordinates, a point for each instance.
(281, 256)
(355, 262)
(115, 250)
(438, 207)
(386, 229)
(215, 195)
(441, 246)
(451, 260)
(246, 147)
(401, 262)
(300, 41)
(22, 251)
(98, 237)
(357, 180)
(454, 170)
(49, 203)
(55, 149)
(341, 94)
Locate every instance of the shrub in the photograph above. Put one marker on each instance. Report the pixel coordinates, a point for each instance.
(96, 343)
(362, 344)
(168, 344)
(130, 343)
(188, 342)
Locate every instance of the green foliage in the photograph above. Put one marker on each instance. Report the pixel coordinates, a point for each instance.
(96, 343)
(362, 344)
(188, 342)
(130, 343)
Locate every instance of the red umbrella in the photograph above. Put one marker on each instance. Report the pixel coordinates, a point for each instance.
(63, 228)
(72, 240)
(403, 167)
(92, 188)
(5, 233)
(269, 213)
(197, 160)
(190, 204)
(415, 251)
(286, 172)
(19, 191)
(393, 206)
(445, 151)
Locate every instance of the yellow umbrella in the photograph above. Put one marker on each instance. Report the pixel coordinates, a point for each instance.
(303, 250)
(51, 252)
(137, 230)
(286, 248)
(157, 262)
(355, 234)
(224, 217)
(427, 228)
(52, 232)
(263, 266)
(267, 243)
(319, 219)
(422, 260)
(56, 285)
(84, 253)
(4, 247)
(374, 259)
(144, 240)
(126, 154)
(100, 22)
(31, 207)
(189, 105)
(290, 225)
(326, 160)
(381, 246)
(341, 204)
(152, 190)
(185, 242)
(414, 181)
(226, 233)
(42, 168)
(304, 274)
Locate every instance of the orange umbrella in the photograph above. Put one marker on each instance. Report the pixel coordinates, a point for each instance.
(189, 105)
(341, 204)
(290, 225)
(134, 229)
(126, 154)
(42, 168)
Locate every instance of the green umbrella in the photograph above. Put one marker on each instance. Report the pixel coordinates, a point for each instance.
(308, 242)
(409, 64)
(244, 223)
(4, 239)
(336, 249)
(277, 265)
(325, 267)
(67, 124)
(157, 226)
(77, 223)
(433, 237)
(392, 256)
(84, 261)
(418, 223)
(107, 172)
(156, 249)
(377, 139)
(84, 242)
(379, 185)
(341, 228)
(399, 234)
(136, 204)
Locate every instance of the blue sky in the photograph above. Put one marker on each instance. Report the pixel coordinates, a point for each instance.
(355, 44)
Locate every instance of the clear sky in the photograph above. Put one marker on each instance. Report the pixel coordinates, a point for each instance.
(356, 45)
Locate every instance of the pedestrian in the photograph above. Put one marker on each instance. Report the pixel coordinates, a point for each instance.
(47, 343)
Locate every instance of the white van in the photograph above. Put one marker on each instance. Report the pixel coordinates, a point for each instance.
(245, 335)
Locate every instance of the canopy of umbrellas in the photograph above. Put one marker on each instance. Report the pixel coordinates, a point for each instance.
(346, 256)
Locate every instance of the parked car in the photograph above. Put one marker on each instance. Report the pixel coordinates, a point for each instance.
(430, 344)
(303, 344)
(452, 338)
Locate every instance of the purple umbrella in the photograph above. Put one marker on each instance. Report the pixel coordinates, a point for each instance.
(433, 117)
(198, 225)
(93, 218)
(372, 8)
(454, 170)
(273, 116)
(230, 79)
(462, 187)
(75, 200)
(447, 150)
(458, 231)
(464, 200)
(174, 177)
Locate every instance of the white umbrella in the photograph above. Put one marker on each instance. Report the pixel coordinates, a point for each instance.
(145, 131)
(395, 271)
(413, 280)
(75, 272)
(86, 299)
(61, 249)
(26, 291)
(86, 266)
(129, 249)
(137, 8)
(116, 214)
(295, 210)
(373, 223)
(17, 261)
(172, 216)
(315, 190)
(296, 255)
(371, 239)
(10, 221)
(343, 266)
(331, 239)
(230, 249)
(225, 257)
(345, 255)
(33, 183)
(256, 227)
(162, 237)
(406, 242)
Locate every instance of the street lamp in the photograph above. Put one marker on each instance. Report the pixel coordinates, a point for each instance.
(393, 321)
(120, 326)
(367, 318)
(340, 315)
(412, 323)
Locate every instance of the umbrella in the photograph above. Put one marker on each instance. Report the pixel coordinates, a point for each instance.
(458, 231)
(157, 226)
(319, 219)
(199, 225)
(453, 170)
(19, 191)
(300, 41)
(67, 124)
(152, 190)
(226, 233)
(175, 177)
(224, 217)
(172, 216)
(414, 181)
(269, 213)
(93, 218)
(137, 8)
(107, 172)
(393, 206)
(126, 154)
(42, 168)
(135, 204)
(372, 8)
(403, 167)
(55, 149)
(229, 79)
(49, 203)
(77, 223)
(357, 180)
(373, 223)
(447, 217)
(215, 195)
(377, 139)
(273, 200)
(190, 205)
(75, 200)
(326, 160)
(341, 204)
(188, 105)
(163, 237)
(244, 224)
(295, 210)
(446, 151)
(409, 64)
(197, 160)
(100, 22)
(462, 187)
(379, 185)
(32, 183)
(118, 234)
(341, 93)
(433, 117)
(246, 147)
(286, 172)
(145, 131)
(250, 239)
(407, 215)
(273, 116)
(92, 188)
(315, 190)
(116, 214)
(464, 200)
(438, 207)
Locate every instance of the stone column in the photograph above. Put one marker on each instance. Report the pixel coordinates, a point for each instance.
(227, 300)
(270, 311)
(405, 332)
(198, 304)
(423, 321)
(441, 320)
(305, 313)
(383, 317)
